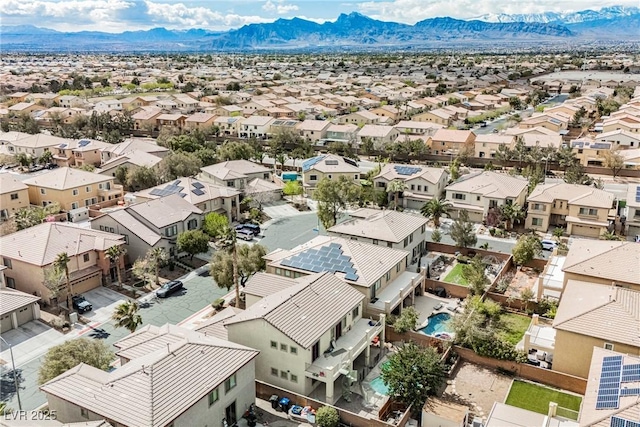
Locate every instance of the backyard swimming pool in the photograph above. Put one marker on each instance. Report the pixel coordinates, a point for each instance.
(379, 386)
(438, 324)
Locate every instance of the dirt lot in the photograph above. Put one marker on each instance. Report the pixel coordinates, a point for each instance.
(524, 278)
(477, 387)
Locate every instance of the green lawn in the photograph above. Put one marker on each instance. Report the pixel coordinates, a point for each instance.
(514, 327)
(455, 276)
(536, 398)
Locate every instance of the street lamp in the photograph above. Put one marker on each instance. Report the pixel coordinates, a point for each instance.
(15, 376)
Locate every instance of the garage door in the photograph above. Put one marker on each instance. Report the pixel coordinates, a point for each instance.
(414, 203)
(25, 315)
(586, 231)
(90, 282)
(5, 323)
(475, 216)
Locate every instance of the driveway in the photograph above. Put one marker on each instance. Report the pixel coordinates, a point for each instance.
(280, 209)
(104, 301)
(27, 340)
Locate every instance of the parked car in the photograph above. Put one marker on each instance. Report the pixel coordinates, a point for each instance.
(81, 304)
(169, 288)
(242, 235)
(549, 245)
(253, 228)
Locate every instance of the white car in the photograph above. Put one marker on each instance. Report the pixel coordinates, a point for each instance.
(549, 245)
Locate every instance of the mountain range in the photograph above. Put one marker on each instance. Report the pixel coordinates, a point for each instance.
(353, 31)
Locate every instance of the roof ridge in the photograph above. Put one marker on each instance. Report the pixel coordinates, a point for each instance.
(611, 301)
(564, 267)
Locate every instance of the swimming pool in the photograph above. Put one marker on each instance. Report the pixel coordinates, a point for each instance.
(438, 324)
(379, 386)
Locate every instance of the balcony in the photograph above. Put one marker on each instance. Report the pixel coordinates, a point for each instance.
(395, 292)
(116, 191)
(347, 348)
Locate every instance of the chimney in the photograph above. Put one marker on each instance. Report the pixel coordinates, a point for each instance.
(553, 408)
(535, 319)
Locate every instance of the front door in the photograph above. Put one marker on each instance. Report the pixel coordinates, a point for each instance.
(338, 333)
(315, 351)
(230, 414)
(113, 273)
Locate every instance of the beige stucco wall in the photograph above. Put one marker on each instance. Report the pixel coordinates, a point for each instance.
(306, 178)
(136, 248)
(66, 197)
(12, 206)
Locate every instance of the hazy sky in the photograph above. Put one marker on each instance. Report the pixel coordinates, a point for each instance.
(120, 15)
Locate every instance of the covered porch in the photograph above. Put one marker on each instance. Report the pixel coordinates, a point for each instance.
(392, 296)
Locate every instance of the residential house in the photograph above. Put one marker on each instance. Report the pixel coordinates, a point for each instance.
(313, 130)
(388, 111)
(479, 192)
(79, 152)
(185, 103)
(379, 272)
(14, 195)
(327, 166)
(228, 111)
(611, 403)
(447, 141)
(174, 121)
(360, 118)
(16, 308)
(342, 133)
(72, 188)
(200, 121)
(256, 127)
(620, 139)
(22, 108)
(204, 195)
(437, 116)
(412, 127)
(228, 125)
(169, 376)
(592, 315)
(584, 210)
(486, 145)
(388, 228)
(235, 173)
(146, 118)
(589, 152)
(31, 145)
(422, 183)
(152, 224)
(380, 135)
(146, 145)
(130, 160)
(632, 211)
(89, 267)
(106, 105)
(311, 336)
(554, 122)
(502, 414)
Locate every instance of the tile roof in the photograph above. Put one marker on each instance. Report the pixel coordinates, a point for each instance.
(305, 311)
(376, 131)
(234, 169)
(9, 184)
(214, 326)
(387, 225)
(195, 191)
(611, 260)
(48, 239)
(154, 389)
(11, 300)
(452, 135)
(575, 194)
(134, 157)
(165, 210)
(66, 178)
(610, 313)
(259, 185)
(131, 223)
(264, 284)
(39, 140)
(490, 184)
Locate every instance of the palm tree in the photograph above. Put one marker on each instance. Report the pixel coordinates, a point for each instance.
(609, 235)
(62, 263)
(158, 256)
(435, 209)
(511, 213)
(126, 316)
(396, 187)
(114, 253)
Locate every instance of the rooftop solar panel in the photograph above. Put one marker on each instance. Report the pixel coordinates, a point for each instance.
(197, 192)
(327, 258)
(308, 164)
(197, 184)
(83, 143)
(406, 170)
(622, 422)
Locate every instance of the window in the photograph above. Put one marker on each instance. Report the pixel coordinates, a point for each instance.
(43, 191)
(279, 271)
(477, 198)
(287, 273)
(84, 413)
(388, 276)
(413, 187)
(283, 347)
(85, 257)
(102, 228)
(537, 222)
(398, 268)
(406, 241)
(538, 207)
(75, 205)
(11, 283)
(284, 374)
(389, 244)
(171, 231)
(608, 346)
(313, 177)
(294, 378)
(375, 242)
(355, 312)
(213, 397)
(293, 350)
(6, 262)
(14, 196)
(588, 211)
(192, 224)
(274, 372)
(230, 184)
(355, 177)
(274, 344)
(87, 189)
(230, 383)
(411, 238)
(74, 191)
(111, 230)
(423, 229)
(459, 196)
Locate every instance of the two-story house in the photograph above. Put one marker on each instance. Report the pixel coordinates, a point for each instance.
(379, 272)
(152, 224)
(200, 121)
(235, 173)
(32, 145)
(311, 336)
(327, 166)
(168, 376)
(487, 145)
(448, 141)
(206, 196)
(422, 183)
(479, 192)
(413, 127)
(401, 230)
(582, 209)
(14, 195)
(256, 127)
(72, 188)
(79, 152)
(360, 118)
(342, 133)
(28, 254)
(313, 130)
(632, 211)
(380, 135)
(438, 116)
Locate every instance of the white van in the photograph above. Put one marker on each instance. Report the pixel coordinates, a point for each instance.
(549, 245)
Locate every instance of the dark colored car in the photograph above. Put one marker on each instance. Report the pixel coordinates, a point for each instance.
(81, 304)
(169, 288)
(253, 228)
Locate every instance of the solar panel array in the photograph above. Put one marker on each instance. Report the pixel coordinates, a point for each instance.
(609, 388)
(327, 258)
(308, 164)
(621, 422)
(406, 170)
(630, 373)
(197, 192)
(168, 190)
(197, 184)
(638, 194)
(83, 143)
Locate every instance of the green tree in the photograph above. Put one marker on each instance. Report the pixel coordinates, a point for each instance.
(327, 416)
(292, 188)
(396, 187)
(217, 226)
(503, 154)
(126, 316)
(250, 261)
(407, 321)
(23, 159)
(527, 248)
(141, 178)
(157, 258)
(193, 242)
(114, 253)
(121, 174)
(436, 209)
(462, 231)
(333, 196)
(234, 150)
(511, 213)
(46, 157)
(613, 160)
(575, 174)
(61, 358)
(412, 374)
(474, 274)
(436, 235)
(61, 263)
(178, 164)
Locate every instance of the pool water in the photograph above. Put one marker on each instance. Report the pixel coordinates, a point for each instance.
(379, 386)
(438, 323)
